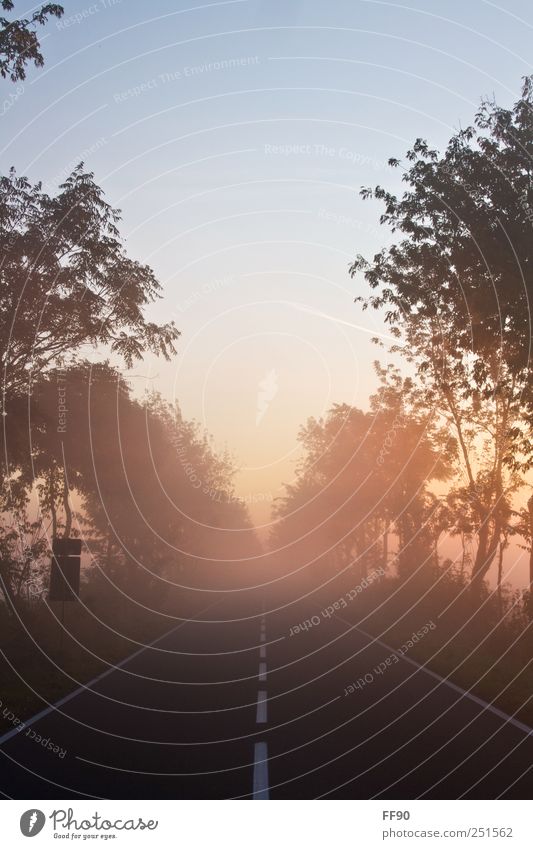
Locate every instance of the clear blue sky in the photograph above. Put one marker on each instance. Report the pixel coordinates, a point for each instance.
(235, 137)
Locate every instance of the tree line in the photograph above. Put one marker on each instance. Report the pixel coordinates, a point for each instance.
(446, 450)
(80, 455)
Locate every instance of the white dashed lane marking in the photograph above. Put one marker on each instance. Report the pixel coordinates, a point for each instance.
(262, 699)
(260, 789)
(261, 771)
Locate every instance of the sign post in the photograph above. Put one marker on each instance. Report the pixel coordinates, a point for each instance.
(65, 575)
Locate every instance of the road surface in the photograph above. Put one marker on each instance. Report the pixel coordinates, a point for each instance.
(236, 707)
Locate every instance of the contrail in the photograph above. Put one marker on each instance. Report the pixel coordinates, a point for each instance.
(333, 318)
(268, 389)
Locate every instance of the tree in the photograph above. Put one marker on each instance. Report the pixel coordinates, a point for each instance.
(65, 280)
(22, 549)
(363, 476)
(467, 217)
(19, 44)
(413, 451)
(455, 287)
(126, 473)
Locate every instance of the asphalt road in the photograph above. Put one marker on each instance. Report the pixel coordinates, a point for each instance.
(235, 707)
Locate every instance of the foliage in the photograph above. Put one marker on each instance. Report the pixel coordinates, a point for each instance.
(455, 288)
(132, 476)
(65, 280)
(363, 476)
(19, 43)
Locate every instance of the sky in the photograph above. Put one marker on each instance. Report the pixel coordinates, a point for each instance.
(235, 137)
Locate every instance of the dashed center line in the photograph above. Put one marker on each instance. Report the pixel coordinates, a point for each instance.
(260, 788)
(262, 699)
(260, 771)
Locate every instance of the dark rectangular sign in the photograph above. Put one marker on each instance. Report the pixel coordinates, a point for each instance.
(64, 579)
(67, 547)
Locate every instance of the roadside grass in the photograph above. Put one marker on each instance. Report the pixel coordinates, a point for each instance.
(38, 665)
(489, 657)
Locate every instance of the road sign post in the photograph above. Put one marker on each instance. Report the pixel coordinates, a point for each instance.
(65, 575)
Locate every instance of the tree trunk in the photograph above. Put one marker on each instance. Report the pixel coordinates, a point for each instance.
(500, 571)
(66, 505)
(486, 549)
(530, 508)
(463, 555)
(482, 544)
(362, 554)
(402, 537)
(52, 496)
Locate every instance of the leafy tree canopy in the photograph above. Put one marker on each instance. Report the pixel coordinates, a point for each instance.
(66, 281)
(464, 267)
(19, 43)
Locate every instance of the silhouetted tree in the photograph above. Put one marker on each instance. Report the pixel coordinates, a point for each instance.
(456, 290)
(412, 452)
(65, 280)
(132, 476)
(19, 43)
(364, 476)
